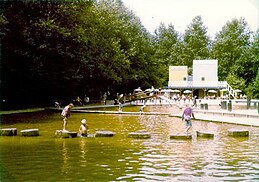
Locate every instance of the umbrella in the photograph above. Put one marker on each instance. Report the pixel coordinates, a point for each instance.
(238, 90)
(164, 90)
(212, 91)
(169, 90)
(187, 92)
(224, 90)
(138, 89)
(175, 91)
(149, 90)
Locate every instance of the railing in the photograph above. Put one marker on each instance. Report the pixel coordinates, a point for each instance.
(231, 91)
(203, 84)
(198, 84)
(142, 95)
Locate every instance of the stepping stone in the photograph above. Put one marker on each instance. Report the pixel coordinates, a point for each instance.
(30, 132)
(238, 133)
(104, 134)
(181, 136)
(8, 132)
(65, 134)
(139, 134)
(204, 134)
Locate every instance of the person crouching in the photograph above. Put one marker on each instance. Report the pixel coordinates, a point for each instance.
(83, 128)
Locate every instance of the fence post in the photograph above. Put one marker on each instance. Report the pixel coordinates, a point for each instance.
(248, 102)
(230, 106)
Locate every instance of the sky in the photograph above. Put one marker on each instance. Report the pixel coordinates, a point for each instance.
(214, 13)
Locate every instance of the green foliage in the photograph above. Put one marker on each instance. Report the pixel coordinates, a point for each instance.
(237, 52)
(256, 86)
(230, 45)
(235, 81)
(57, 51)
(196, 42)
(168, 50)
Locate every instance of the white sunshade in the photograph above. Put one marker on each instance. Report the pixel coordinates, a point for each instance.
(224, 90)
(138, 90)
(175, 91)
(169, 90)
(212, 91)
(149, 90)
(187, 91)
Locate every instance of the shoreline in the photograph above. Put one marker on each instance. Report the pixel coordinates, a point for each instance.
(21, 111)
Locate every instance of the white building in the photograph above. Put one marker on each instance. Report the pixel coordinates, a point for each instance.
(205, 73)
(204, 78)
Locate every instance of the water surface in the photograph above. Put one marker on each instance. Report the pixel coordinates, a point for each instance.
(119, 158)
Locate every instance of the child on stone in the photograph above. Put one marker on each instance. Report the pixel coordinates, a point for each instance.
(187, 115)
(66, 114)
(141, 110)
(83, 128)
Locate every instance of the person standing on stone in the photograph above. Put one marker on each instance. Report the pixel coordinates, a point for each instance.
(66, 114)
(141, 110)
(120, 106)
(187, 115)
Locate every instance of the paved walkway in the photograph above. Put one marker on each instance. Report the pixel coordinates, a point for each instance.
(242, 117)
(118, 112)
(234, 113)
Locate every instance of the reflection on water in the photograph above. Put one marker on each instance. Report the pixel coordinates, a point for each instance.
(65, 166)
(46, 158)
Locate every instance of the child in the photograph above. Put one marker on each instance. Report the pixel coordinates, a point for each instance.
(83, 128)
(141, 110)
(66, 114)
(120, 107)
(187, 115)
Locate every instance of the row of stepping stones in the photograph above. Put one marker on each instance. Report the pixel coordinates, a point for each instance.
(71, 134)
(137, 134)
(13, 132)
(231, 132)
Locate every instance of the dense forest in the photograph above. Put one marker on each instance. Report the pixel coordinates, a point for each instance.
(56, 51)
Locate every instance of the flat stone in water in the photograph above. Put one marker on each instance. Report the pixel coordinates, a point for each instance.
(8, 132)
(181, 136)
(65, 134)
(238, 133)
(30, 132)
(204, 134)
(104, 134)
(139, 134)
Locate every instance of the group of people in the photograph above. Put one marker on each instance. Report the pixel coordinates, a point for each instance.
(83, 129)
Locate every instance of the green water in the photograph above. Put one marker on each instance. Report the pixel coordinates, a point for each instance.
(46, 158)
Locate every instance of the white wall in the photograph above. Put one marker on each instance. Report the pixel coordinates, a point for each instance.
(208, 69)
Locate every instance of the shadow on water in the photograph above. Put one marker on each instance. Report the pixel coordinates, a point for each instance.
(120, 158)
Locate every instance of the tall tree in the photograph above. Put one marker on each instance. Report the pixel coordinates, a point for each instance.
(251, 67)
(60, 50)
(256, 86)
(167, 49)
(196, 42)
(229, 46)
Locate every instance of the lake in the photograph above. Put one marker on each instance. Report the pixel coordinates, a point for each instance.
(119, 158)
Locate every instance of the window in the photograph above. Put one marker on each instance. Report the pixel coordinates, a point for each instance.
(184, 78)
(202, 78)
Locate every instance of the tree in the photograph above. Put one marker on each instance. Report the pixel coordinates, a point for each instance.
(230, 45)
(256, 86)
(167, 49)
(196, 42)
(251, 70)
(57, 51)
